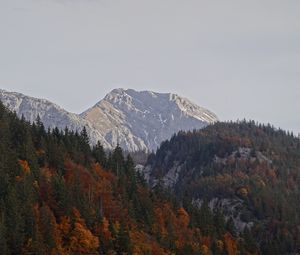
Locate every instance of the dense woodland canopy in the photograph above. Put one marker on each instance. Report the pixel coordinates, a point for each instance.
(255, 166)
(60, 196)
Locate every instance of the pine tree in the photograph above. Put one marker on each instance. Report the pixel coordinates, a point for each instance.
(99, 154)
(205, 219)
(84, 136)
(230, 226)
(249, 241)
(14, 222)
(117, 161)
(123, 244)
(219, 222)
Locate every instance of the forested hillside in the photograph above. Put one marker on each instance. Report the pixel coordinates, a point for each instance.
(59, 196)
(247, 171)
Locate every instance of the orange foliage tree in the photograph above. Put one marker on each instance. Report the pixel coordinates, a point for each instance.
(231, 244)
(82, 240)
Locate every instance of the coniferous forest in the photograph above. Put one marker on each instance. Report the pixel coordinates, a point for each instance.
(58, 195)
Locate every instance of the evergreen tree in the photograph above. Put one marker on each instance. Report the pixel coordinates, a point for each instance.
(99, 154)
(14, 222)
(205, 219)
(249, 241)
(219, 223)
(117, 161)
(123, 244)
(84, 136)
(230, 226)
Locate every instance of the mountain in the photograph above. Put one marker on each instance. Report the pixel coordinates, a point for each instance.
(50, 114)
(135, 120)
(249, 172)
(142, 120)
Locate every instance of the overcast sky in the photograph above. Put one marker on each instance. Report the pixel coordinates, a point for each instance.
(240, 59)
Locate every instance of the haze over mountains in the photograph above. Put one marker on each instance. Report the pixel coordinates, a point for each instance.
(135, 120)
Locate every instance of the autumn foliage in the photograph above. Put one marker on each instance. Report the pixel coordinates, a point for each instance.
(60, 196)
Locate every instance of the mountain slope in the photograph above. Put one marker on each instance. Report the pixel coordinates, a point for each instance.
(251, 173)
(142, 120)
(135, 120)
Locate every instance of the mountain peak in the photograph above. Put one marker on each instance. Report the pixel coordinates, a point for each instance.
(141, 120)
(131, 99)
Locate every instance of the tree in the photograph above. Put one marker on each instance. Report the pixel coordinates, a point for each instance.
(99, 154)
(231, 244)
(14, 222)
(205, 218)
(219, 222)
(123, 243)
(230, 226)
(250, 244)
(117, 161)
(82, 240)
(184, 218)
(3, 243)
(84, 136)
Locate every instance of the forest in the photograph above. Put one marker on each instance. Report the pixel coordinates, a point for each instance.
(248, 171)
(59, 195)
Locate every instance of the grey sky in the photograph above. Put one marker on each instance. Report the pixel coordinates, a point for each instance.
(237, 58)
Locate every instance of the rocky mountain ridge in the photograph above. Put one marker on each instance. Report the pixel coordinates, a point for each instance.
(135, 120)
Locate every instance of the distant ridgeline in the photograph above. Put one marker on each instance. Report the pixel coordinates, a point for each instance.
(59, 196)
(248, 172)
(136, 120)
